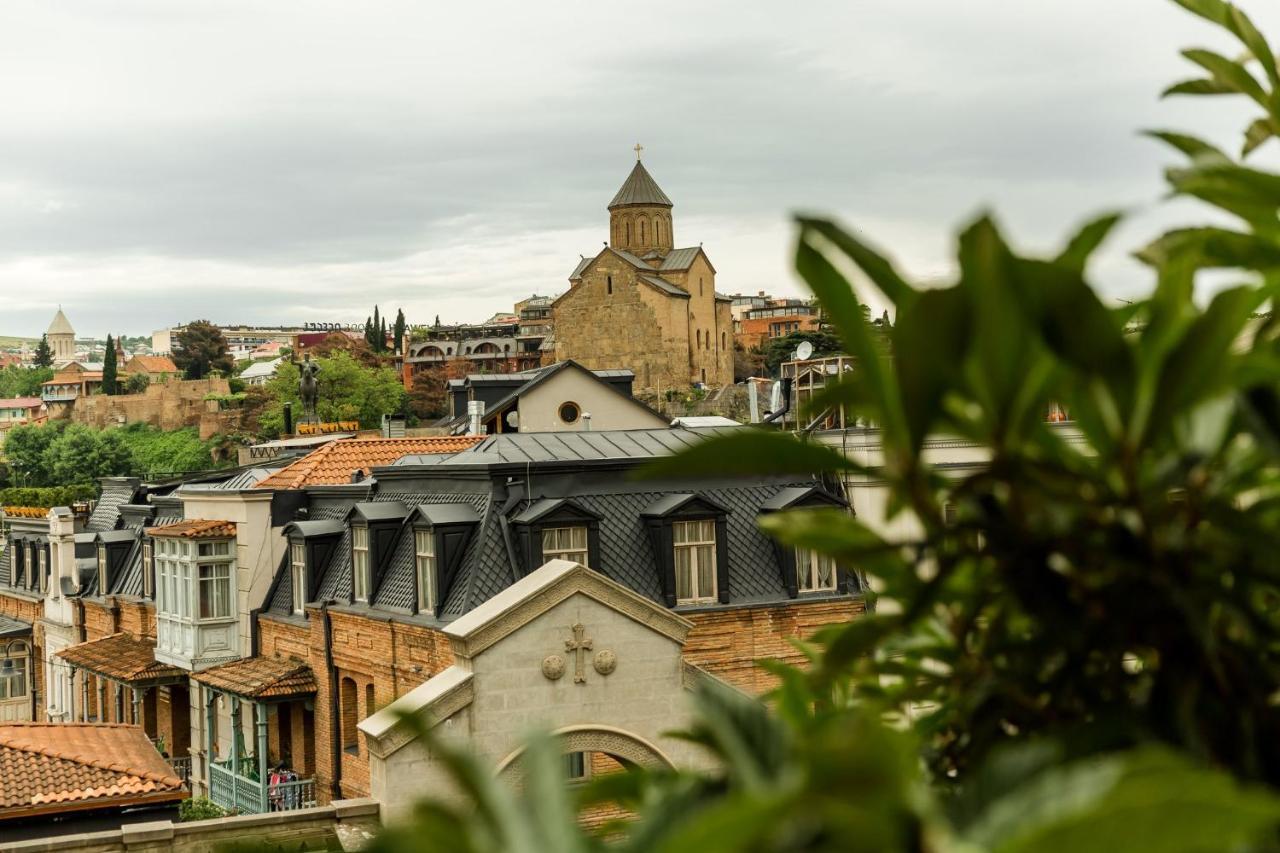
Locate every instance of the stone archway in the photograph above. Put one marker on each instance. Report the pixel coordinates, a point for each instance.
(628, 748)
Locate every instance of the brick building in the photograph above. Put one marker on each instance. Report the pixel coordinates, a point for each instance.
(642, 304)
(265, 619)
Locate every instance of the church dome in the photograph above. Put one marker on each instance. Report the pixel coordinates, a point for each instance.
(640, 188)
(60, 325)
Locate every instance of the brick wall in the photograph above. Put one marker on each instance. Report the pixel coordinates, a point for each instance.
(29, 610)
(727, 643)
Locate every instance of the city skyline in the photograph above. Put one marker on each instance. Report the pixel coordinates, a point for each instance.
(298, 164)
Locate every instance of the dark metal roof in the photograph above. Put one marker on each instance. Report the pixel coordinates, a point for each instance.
(795, 495)
(665, 286)
(308, 529)
(116, 492)
(640, 188)
(380, 510)
(110, 537)
(576, 446)
(668, 504)
(448, 513)
(680, 259)
(580, 268)
(11, 627)
(539, 509)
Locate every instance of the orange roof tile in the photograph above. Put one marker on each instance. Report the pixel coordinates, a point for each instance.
(121, 657)
(334, 462)
(51, 767)
(261, 678)
(196, 528)
(26, 511)
(151, 364)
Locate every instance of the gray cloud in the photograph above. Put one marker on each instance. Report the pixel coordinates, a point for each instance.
(289, 161)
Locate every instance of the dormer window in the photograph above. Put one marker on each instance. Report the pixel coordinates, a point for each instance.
(424, 546)
(814, 572)
(102, 569)
(41, 580)
(695, 561)
(298, 576)
(148, 570)
(24, 568)
(360, 562)
(565, 543)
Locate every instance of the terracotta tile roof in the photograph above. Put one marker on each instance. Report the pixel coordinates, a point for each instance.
(334, 462)
(196, 528)
(152, 364)
(261, 678)
(48, 767)
(20, 403)
(121, 657)
(26, 511)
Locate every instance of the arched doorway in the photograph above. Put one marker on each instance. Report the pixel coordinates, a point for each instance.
(625, 747)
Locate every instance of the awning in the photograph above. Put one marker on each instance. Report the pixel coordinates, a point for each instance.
(123, 658)
(10, 627)
(261, 678)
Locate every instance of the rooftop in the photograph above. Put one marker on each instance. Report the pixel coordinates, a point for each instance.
(122, 658)
(261, 678)
(56, 767)
(640, 188)
(335, 462)
(576, 446)
(196, 528)
(152, 364)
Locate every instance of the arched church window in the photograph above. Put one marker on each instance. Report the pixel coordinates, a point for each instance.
(708, 338)
(641, 230)
(350, 714)
(699, 337)
(723, 339)
(628, 232)
(608, 283)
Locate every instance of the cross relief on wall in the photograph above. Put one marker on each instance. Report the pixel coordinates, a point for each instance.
(577, 647)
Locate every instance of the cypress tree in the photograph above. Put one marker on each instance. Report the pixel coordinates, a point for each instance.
(109, 367)
(400, 331)
(376, 343)
(44, 354)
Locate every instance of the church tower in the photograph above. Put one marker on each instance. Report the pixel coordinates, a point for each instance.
(62, 339)
(640, 215)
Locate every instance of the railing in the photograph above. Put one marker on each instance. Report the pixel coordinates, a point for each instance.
(246, 795)
(182, 768)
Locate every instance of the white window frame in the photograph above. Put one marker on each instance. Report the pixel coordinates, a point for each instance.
(808, 562)
(424, 549)
(20, 653)
(213, 557)
(148, 569)
(42, 566)
(298, 576)
(103, 580)
(694, 548)
(562, 551)
(360, 562)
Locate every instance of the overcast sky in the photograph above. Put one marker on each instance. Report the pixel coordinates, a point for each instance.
(282, 162)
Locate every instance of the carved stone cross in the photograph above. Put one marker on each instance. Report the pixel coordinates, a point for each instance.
(579, 645)
(638, 149)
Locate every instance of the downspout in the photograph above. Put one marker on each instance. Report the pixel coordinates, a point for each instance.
(335, 721)
(786, 402)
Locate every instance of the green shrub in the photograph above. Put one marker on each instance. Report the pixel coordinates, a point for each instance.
(48, 495)
(199, 808)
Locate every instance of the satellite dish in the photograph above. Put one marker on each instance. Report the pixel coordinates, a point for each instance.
(513, 419)
(804, 351)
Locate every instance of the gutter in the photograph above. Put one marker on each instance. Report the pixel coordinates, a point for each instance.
(335, 722)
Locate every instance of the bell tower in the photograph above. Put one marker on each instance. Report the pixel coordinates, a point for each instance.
(640, 214)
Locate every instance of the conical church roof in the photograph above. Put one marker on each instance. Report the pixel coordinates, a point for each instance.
(60, 325)
(640, 188)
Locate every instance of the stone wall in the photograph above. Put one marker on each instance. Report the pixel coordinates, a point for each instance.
(167, 405)
(344, 825)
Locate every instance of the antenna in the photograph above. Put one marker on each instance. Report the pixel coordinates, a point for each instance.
(803, 351)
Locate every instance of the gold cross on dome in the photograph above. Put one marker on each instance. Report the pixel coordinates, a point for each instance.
(579, 645)
(638, 149)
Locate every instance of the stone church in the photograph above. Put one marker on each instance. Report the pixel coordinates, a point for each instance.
(643, 304)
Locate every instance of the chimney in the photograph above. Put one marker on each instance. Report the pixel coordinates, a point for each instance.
(475, 414)
(288, 418)
(586, 422)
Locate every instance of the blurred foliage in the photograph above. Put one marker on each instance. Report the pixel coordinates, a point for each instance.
(1081, 640)
(199, 808)
(48, 496)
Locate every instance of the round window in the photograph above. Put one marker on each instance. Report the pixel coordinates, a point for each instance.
(569, 412)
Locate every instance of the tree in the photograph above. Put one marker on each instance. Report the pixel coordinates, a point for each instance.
(200, 349)
(44, 354)
(428, 398)
(82, 454)
(399, 331)
(17, 381)
(777, 350)
(109, 367)
(376, 330)
(349, 391)
(24, 449)
(137, 383)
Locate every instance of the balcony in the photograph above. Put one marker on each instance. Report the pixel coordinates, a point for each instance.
(245, 793)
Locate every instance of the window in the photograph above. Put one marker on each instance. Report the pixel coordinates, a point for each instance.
(368, 699)
(699, 339)
(577, 766)
(723, 340)
(699, 285)
(641, 230)
(148, 571)
(360, 562)
(298, 575)
(215, 590)
(102, 569)
(814, 572)
(41, 580)
(565, 543)
(569, 412)
(16, 687)
(608, 283)
(349, 715)
(425, 550)
(695, 553)
(24, 567)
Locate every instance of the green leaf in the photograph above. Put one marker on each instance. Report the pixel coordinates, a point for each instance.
(877, 268)
(749, 450)
(1073, 321)
(930, 342)
(1213, 248)
(1257, 133)
(1228, 73)
(1243, 27)
(1149, 799)
(1214, 11)
(1189, 145)
(1198, 87)
(1086, 241)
